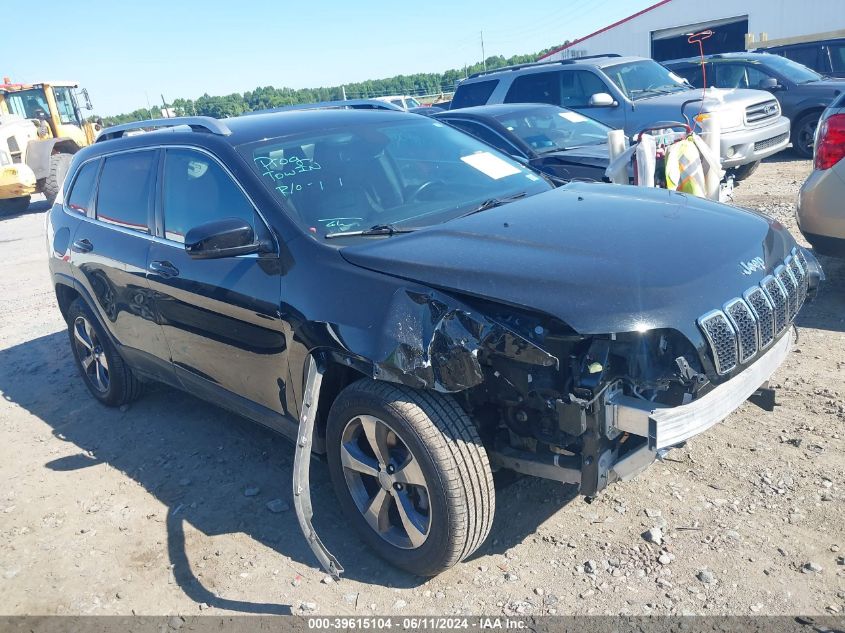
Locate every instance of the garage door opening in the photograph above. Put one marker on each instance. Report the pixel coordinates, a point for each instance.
(728, 37)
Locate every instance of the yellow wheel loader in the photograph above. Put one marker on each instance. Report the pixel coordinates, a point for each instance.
(41, 127)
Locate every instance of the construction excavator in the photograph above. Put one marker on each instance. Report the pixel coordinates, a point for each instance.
(41, 128)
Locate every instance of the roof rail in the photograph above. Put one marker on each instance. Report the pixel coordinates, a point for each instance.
(348, 104)
(571, 60)
(196, 123)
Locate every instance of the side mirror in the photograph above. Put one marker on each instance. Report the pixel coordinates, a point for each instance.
(222, 238)
(769, 83)
(601, 100)
(88, 105)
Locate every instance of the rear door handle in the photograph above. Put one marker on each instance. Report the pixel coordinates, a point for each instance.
(82, 246)
(164, 269)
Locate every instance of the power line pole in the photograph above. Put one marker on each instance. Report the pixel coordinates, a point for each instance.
(343, 90)
(483, 56)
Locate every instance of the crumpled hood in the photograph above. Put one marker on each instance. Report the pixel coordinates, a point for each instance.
(602, 258)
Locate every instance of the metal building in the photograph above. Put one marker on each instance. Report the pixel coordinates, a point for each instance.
(660, 31)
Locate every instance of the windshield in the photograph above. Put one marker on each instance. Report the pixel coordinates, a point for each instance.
(793, 71)
(552, 129)
(409, 173)
(644, 78)
(30, 104)
(412, 103)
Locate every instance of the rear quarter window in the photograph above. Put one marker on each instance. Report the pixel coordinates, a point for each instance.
(535, 88)
(125, 194)
(82, 190)
(473, 94)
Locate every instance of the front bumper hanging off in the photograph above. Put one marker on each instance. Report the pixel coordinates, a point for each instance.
(664, 427)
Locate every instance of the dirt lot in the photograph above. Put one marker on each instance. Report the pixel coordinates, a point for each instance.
(162, 508)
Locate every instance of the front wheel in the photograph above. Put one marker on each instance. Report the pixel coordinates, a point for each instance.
(804, 133)
(411, 473)
(59, 164)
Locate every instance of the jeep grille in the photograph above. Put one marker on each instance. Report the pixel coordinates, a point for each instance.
(748, 324)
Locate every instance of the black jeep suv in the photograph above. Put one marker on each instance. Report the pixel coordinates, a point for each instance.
(391, 292)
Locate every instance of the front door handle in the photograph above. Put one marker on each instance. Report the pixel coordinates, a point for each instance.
(82, 246)
(164, 269)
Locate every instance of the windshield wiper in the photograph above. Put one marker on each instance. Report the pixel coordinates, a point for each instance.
(492, 203)
(378, 229)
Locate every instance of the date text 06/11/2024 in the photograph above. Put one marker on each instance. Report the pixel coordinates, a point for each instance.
(415, 623)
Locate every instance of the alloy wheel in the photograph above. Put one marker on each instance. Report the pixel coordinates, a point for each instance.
(385, 481)
(91, 354)
(806, 136)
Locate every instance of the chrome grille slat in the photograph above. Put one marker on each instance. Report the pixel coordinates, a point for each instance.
(745, 325)
(777, 296)
(791, 286)
(800, 274)
(722, 338)
(765, 313)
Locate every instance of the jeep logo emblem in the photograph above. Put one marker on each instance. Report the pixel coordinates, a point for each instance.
(752, 265)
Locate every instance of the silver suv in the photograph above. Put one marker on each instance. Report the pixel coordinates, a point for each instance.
(633, 93)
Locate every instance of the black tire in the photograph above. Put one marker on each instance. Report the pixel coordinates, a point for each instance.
(59, 164)
(744, 171)
(803, 134)
(121, 386)
(10, 206)
(428, 429)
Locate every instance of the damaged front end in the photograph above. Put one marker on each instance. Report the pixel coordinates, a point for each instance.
(548, 401)
(553, 403)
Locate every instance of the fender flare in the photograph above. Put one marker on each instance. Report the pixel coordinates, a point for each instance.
(60, 279)
(38, 153)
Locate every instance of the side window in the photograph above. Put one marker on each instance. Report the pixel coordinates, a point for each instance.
(473, 94)
(485, 134)
(535, 88)
(837, 58)
(64, 102)
(587, 84)
(755, 76)
(125, 194)
(79, 199)
(197, 190)
(730, 76)
(693, 75)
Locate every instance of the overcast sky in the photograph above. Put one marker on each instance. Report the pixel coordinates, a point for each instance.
(128, 52)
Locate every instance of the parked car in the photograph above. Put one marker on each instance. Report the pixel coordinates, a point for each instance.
(415, 305)
(803, 93)
(406, 102)
(633, 93)
(820, 211)
(826, 57)
(560, 143)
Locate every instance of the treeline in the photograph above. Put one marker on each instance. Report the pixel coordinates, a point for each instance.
(270, 97)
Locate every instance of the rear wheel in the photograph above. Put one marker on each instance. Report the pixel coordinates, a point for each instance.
(744, 171)
(410, 472)
(804, 133)
(106, 375)
(59, 164)
(14, 205)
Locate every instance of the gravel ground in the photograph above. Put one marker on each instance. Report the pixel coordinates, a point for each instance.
(174, 506)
